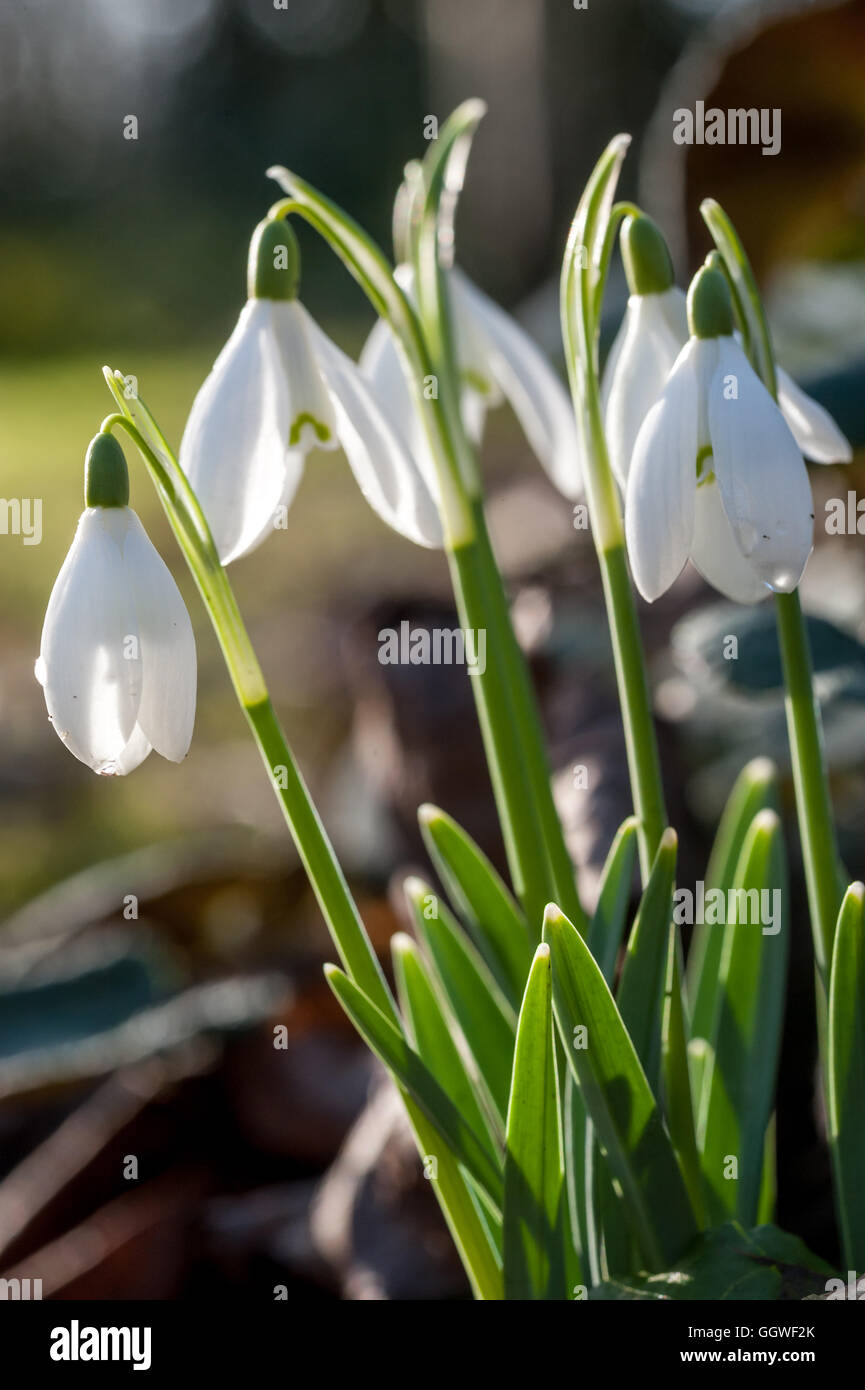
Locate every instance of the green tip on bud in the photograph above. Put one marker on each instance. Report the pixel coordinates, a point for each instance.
(710, 311)
(274, 261)
(106, 477)
(648, 267)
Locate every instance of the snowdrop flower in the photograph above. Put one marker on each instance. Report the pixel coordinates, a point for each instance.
(117, 660)
(653, 332)
(279, 389)
(498, 361)
(716, 472)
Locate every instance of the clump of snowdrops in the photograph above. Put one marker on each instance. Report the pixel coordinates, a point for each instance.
(592, 1109)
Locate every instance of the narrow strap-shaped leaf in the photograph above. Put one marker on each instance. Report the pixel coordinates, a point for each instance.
(641, 988)
(574, 1141)
(430, 1032)
(479, 1007)
(618, 1097)
(846, 1073)
(675, 1079)
(755, 789)
(534, 1182)
(467, 1228)
(607, 926)
(391, 1047)
(739, 1083)
(769, 1180)
(482, 900)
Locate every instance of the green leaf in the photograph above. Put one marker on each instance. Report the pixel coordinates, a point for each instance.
(755, 789)
(739, 1080)
(430, 1032)
(641, 987)
(459, 1207)
(534, 1183)
(481, 899)
(846, 1073)
(391, 1047)
(769, 1180)
(608, 923)
(618, 1097)
(730, 1263)
(486, 1018)
(676, 1081)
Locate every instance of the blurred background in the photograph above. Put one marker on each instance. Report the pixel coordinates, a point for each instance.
(154, 1142)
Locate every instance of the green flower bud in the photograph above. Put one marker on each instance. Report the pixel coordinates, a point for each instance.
(274, 261)
(710, 311)
(106, 477)
(648, 267)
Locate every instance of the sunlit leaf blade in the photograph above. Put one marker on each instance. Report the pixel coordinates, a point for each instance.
(846, 1073)
(607, 926)
(486, 1018)
(466, 1225)
(739, 1082)
(641, 987)
(534, 1182)
(755, 789)
(618, 1097)
(393, 1050)
(574, 1141)
(675, 1079)
(487, 1021)
(481, 899)
(430, 1033)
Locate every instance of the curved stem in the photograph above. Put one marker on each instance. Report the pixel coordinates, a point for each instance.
(313, 845)
(509, 724)
(817, 832)
(583, 278)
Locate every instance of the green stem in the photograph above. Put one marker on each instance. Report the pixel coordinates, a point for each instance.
(511, 732)
(315, 850)
(590, 242)
(641, 744)
(529, 733)
(810, 779)
(542, 868)
(804, 725)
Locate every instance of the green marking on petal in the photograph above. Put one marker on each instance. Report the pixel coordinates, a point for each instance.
(476, 381)
(322, 432)
(702, 478)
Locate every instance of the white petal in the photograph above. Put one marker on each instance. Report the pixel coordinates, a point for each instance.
(537, 396)
(813, 428)
(386, 473)
(659, 507)
(235, 444)
(133, 755)
(89, 667)
(166, 713)
(382, 365)
(609, 372)
(311, 420)
(761, 473)
(715, 553)
(645, 359)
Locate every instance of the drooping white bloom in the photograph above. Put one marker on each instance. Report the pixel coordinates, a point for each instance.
(652, 334)
(279, 389)
(716, 473)
(498, 361)
(117, 660)
(653, 331)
